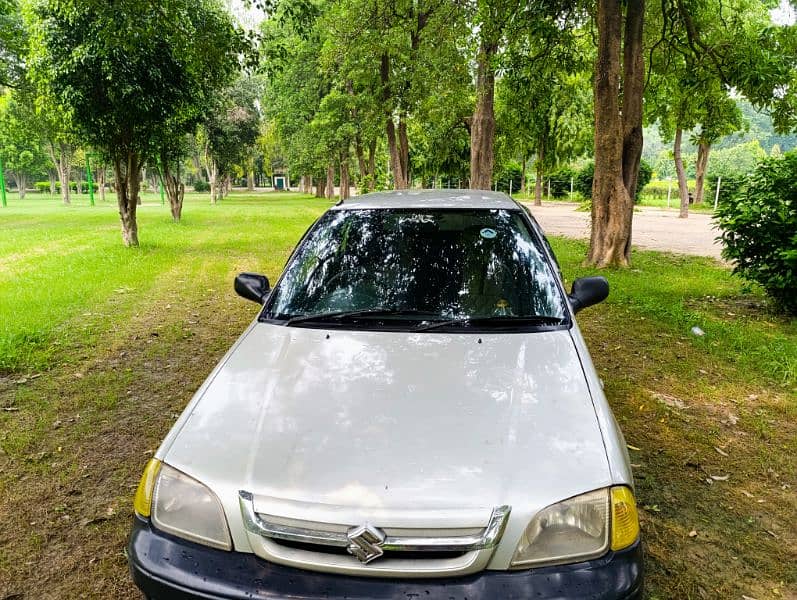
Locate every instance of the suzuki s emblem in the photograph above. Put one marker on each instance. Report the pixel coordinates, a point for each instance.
(365, 542)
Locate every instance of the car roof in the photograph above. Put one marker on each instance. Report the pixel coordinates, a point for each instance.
(479, 199)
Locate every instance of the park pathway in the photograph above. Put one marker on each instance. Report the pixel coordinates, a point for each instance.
(654, 228)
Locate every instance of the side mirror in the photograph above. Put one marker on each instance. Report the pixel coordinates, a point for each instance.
(588, 291)
(252, 286)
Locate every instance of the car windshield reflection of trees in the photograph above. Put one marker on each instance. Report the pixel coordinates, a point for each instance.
(430, 265)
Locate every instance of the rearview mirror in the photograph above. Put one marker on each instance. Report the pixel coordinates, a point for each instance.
(588, 291)
(252, 286)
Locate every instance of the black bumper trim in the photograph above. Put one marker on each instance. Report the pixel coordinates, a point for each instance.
(165, 567)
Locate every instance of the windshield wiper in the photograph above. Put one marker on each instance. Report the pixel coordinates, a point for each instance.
(494, 320)
(349, 314)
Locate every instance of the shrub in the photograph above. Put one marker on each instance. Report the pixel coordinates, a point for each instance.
(584, 177)
(583, 182)
(560, 182)
(43, 187)
(759, 229)
(511, 171)
(201, 186)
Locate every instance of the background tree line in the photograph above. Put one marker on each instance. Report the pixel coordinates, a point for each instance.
(389, 94)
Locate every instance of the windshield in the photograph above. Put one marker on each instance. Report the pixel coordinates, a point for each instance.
(419, 265)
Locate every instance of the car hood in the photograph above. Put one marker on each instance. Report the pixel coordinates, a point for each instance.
(374, 420)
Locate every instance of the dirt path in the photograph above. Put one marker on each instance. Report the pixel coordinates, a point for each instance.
(654, 228)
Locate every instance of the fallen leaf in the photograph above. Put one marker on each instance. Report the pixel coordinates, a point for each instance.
(10, 409)
(748, 597)
(630, 447)
(720, 477)
(720, 451)
(748, 494)
(772, 533)
(693, 533)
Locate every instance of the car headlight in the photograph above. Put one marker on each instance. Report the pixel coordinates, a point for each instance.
(180, 505)
(579, 528)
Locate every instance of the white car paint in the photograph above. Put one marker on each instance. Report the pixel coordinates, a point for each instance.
(399, 429)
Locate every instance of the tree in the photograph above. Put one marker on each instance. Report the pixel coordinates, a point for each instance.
(153, 60)
(230, 129)
(13, 40)
(618, 129)
(20, 147)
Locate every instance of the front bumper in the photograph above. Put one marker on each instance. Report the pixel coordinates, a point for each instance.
(166, 567)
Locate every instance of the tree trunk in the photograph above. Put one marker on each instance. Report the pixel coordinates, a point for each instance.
(250, 177)
(523, 176)
(63, 167)
(320, 185)
(399, 153)
(213, 177)
(372, 166)
(127, 193)
(175, 191)
(538, 183)
(703, 150)
(633, 90)
(612, 207)
(361, 166)
(344, 176)
(21, 180)
(330, 187)
(53, 175)
(683, 187)
(482, 129)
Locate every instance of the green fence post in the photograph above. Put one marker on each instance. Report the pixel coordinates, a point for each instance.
(2, 185)
(90, 180)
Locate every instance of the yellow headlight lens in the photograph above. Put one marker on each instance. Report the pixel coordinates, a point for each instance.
(143, 500)
(625, 520)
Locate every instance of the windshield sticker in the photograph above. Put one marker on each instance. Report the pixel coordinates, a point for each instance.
(488, 233)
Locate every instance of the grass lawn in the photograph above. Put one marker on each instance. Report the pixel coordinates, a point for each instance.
(102, 346)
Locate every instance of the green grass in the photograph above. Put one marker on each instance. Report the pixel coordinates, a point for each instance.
(102, 346)
(65, 275)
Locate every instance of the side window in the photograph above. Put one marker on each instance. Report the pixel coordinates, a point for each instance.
(536, 227)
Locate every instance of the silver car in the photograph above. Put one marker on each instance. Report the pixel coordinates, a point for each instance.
(412, 414)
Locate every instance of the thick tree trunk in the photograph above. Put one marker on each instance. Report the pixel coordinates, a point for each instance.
(683, 187)
(633, 89)
(703, 150)
(482, 129)
(127, 194)
(523, 176)
(53, 175)
(538, 184)
(330, 186)
(612, 206)
(398, 147)
(320, 187)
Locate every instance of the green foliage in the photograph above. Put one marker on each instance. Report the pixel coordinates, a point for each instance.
(510, 171)
(12, 43)
(583, 179)
(583, 182)
(759, 229)
(20, 146)
(560, 182)
(157, 67)
(201, 186)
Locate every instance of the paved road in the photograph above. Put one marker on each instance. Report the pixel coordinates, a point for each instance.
(654, 229)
